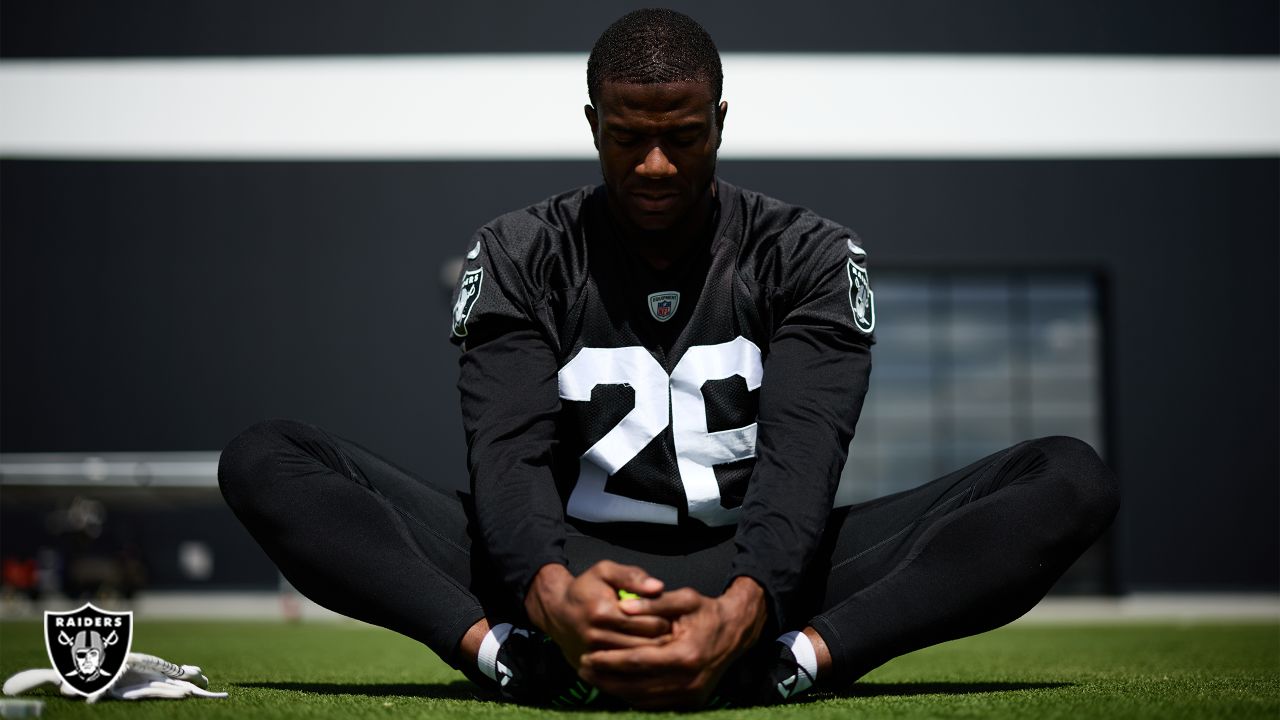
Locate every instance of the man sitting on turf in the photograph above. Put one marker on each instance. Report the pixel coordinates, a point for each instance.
(660, 378)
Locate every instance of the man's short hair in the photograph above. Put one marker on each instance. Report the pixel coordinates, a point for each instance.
(654, 45)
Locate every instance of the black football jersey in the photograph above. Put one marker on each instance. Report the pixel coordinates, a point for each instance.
(680, 406)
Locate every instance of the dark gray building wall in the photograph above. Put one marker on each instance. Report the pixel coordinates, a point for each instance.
(163, 306)
(86, 28)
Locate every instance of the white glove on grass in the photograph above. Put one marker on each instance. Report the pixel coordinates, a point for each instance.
(144, 676)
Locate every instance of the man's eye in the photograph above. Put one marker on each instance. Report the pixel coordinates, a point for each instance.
(625, 140)
(686, 140)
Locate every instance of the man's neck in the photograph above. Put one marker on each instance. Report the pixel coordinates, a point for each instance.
(661, 249)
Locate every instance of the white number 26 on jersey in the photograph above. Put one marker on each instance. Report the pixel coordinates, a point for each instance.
(659, 397)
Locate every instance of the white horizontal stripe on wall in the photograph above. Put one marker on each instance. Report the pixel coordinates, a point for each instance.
(445, 107)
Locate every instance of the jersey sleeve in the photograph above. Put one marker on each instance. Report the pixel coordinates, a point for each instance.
(510, 401)
(816, 375)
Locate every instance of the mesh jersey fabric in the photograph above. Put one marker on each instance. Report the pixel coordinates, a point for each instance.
(731, 416)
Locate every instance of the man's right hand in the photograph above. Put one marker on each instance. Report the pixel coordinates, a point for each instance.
(582, 615)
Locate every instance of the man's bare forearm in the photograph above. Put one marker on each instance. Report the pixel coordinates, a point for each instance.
(745, 608)
(545, 592)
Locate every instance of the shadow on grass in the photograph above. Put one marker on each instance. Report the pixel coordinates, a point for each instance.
(871, 689)
(456, 690)
(465, 690)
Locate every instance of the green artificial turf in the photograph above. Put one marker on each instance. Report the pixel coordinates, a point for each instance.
(349, 670)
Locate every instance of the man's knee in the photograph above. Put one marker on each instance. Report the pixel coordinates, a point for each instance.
(247, 465)
(1091, 490)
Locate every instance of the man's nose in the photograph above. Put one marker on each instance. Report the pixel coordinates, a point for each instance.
(656, 165)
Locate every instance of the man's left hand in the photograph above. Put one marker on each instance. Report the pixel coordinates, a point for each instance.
(706, 635)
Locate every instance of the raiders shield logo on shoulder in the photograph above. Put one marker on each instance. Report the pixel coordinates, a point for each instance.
(662, 305)
(861, 299)
(468, 292)
(88, 646)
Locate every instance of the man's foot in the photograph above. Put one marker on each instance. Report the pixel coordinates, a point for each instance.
(769, 673)
(529, 669)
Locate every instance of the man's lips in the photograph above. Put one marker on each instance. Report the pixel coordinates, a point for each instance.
(654, 202)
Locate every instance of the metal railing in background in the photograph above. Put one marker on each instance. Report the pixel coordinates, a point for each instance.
(115, 470)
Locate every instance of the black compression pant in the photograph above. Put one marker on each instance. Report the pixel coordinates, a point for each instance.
(968, 552)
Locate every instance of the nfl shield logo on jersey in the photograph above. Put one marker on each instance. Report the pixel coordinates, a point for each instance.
(88, 646)
(468, 292)
(662, 305)
(861, 299)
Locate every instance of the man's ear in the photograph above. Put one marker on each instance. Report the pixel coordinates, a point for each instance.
(720, 113)
(594, 121)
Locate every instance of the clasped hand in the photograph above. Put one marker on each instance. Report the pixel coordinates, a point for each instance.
(660, 650)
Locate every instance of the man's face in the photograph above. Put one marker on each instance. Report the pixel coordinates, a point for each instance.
(657, 148)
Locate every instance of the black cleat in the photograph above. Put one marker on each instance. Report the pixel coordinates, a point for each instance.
(530, 670)
(767, 675)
